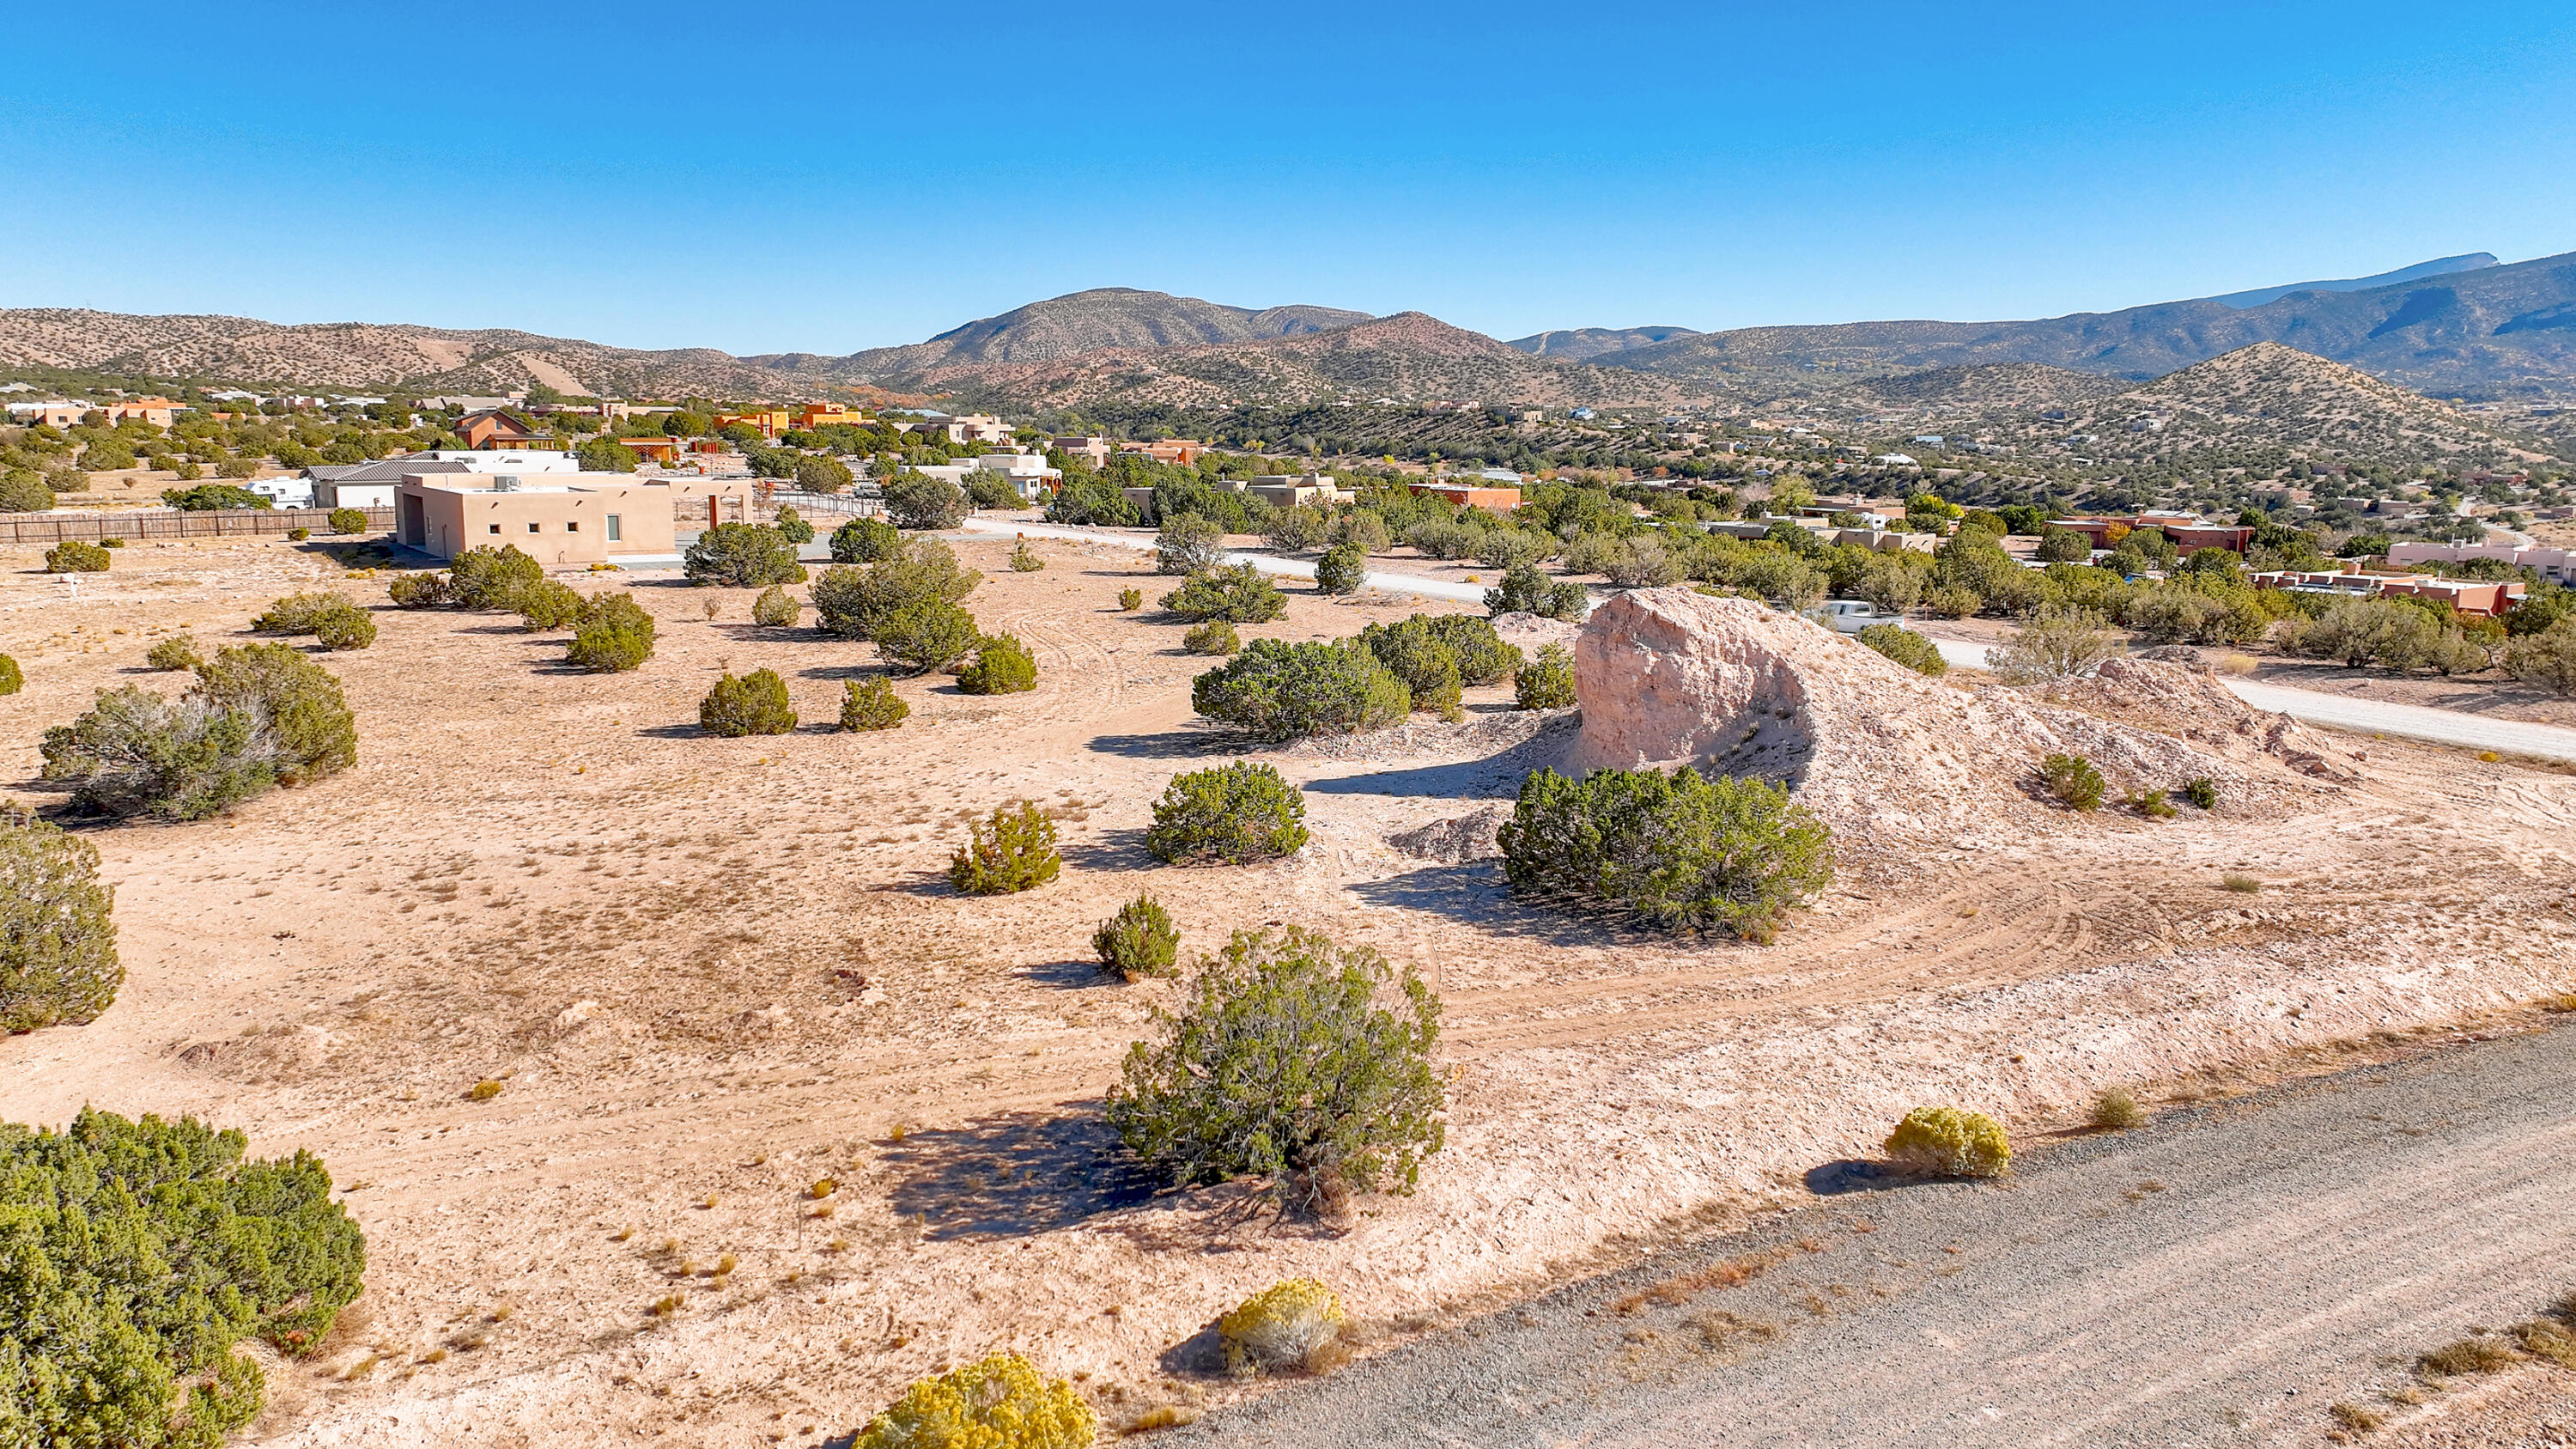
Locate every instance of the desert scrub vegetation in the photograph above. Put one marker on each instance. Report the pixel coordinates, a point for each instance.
(1024, 559)
(1130, 600)
(1292, 1060)
(1239, 594)
(347, 520)
(141, 1254)
(2243, 885)
(616, 637)
(12, 678)
(1342, 569)
(174, 654)
(1435, 655)
(1216, 636)
(2114, 1110)
(755, 704)
(1950, 1142)
(551, 604)
(854, 602)
(776, 608)
(427, 590)
(1546, 682)
(1188, 544)
(1291, 1325)
(2072, 781)
(259, 715)
(872, 704)
(1276, 690)
(58, 959)
(2056, 643)
(1680, 850)
(2201, 791)
(71, 556)
(928, 634)
(2547, 658)
(791, 525)
(742, 556)
(1138, 941)
(1905, 647)
(919, 501)
(1014, 850)
(1000, 1402)
(865, 540)
(1228, 814)
(2149, 803)
(1527, 590)
(334, 621)
(1003, 665)
(491, 578)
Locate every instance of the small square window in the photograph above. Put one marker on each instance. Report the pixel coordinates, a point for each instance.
(496, 528)
(532, 528)
(573, 527)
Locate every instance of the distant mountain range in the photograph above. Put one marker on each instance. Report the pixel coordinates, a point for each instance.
(2458, 326)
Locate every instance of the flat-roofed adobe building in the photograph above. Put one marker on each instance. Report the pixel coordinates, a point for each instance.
(555, 518)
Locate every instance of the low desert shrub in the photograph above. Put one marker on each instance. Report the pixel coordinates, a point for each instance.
(135, 753)
(776, 608)
(179, 651)
(491, 578)
(872, 704)
(1525, 590)
(71, 556)
(2115, 1110)
(1013, 851)
(1003, 665)
(1417, 655)
(307, 718)
(1216, 636)
(1280, 691)
(617, 636)
(1239, 594)
(928, 633)
(1130, 600)
(347, 627)
(297, 613)
(865, 540)
(142, 1254)
(755, 704)
(1951, 1143)
(2468, 1356)
(421, 591)
(1681, 850)
(2150, 803)
(1546, 682)
(551, 604)
(2073, 780)
(1138, 941)
(58, 959)
(483, 1091)
(1293, 1060)
(1342, 569)
(998, 1403)
(348, 520)
(1286, 1326)
(1229, 814)
(791, 525)
(2547, 658)
(2243, 885)
(855, 602)
(1188, 544)
(2201, 791)
(742, 556)
(2355, 1417)
(2055, 644)
(1905, 647)
(1301, 529)
(12, 678)
(1024, 559)
(1483, 657)
(298, 535)
(988, 489)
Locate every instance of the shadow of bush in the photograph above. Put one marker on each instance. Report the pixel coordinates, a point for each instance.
(1015, 1175)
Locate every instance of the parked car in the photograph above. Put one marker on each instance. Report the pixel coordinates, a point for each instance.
(1850, 616)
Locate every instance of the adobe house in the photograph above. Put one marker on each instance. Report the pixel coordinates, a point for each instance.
(560, 518)
(496, 429)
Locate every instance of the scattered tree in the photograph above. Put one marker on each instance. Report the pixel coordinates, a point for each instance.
(855, 602)
(492, 578)
(1239, 594)
(136, 753)
(822, 473)
(872, 704)
(1679, 850)
(743, 556)
(919, 501)
(2547, 658)
(552, 604)
(58, 959)
(1342, 570)
(72, 556)
(618, 636)
(1188, 544)
(211, 497)
(1013, 851)
(1905, 647)
(1216, 636)
(1525, 590)
(24, 490)
(865, 540)
(421, 591)
(776, 608)
(1138, 941)
(307, 717)
(1279, 691)
(2073, 779)
(1230, 814)
(926, 634)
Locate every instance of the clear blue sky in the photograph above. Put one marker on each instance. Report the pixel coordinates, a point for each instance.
(803, 177)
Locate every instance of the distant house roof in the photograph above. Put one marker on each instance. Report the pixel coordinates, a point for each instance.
(382, 470)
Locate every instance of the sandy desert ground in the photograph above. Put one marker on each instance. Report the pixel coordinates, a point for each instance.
(710, 972)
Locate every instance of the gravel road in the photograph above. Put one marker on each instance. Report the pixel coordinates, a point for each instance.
(2219, 1277)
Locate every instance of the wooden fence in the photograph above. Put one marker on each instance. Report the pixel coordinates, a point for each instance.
(141, 523)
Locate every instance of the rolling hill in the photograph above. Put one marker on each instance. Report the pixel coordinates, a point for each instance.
(1080, 322)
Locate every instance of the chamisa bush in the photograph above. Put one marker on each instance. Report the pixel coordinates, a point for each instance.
(871, 704)
(617, 636)
(1951, 1143)
(1188, 544)
(1546, 682)
(2073, 780)
(177, 652)
(1525, 590)
(743, 556)
(1000, 1402)
(298, 535)
(1003, 665)
(421, 591)
(855, 602)
(2114, 1110)
(12, 678)
(141, 1254)
(1239, 594)
(1280, 691)
(491, 578)
(776, 608)
(1681, 850)
(755, 704)
(1292, 1060)
(1130, 600)
(1013, 851)
(348, 520)
(1293, 1325)
(926, 634)
(58, 958)
(1905, 647)
(1216, 636)
(1228, 814)
(1342, 569)
(71, 556)
(552, 604)
(1138, 941)
(865, 540)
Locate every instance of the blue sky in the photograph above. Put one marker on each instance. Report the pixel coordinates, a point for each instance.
(823, 178)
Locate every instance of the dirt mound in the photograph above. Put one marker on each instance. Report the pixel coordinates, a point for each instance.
(1467, 837)
(1888, 757)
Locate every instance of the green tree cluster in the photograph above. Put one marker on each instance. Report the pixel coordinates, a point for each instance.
(1679, 850)
(58, 959)
(1229, 814)
(1277, 690)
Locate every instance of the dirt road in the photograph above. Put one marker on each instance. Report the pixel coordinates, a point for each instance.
(2220, 1277)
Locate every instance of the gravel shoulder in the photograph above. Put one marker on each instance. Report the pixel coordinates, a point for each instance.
(2218, 1277)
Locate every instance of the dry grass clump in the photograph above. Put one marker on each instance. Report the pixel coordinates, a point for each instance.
(2468, 1356)
(1293, 1324)
(484, 1090)
(822, 1187)
(666, 1305)
(2114, 1110)
(1161, 1416)
(2243, 885)
(2355, 1417)
(2548, 1338)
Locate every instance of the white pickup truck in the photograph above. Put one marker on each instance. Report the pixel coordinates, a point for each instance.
(1850, 616)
